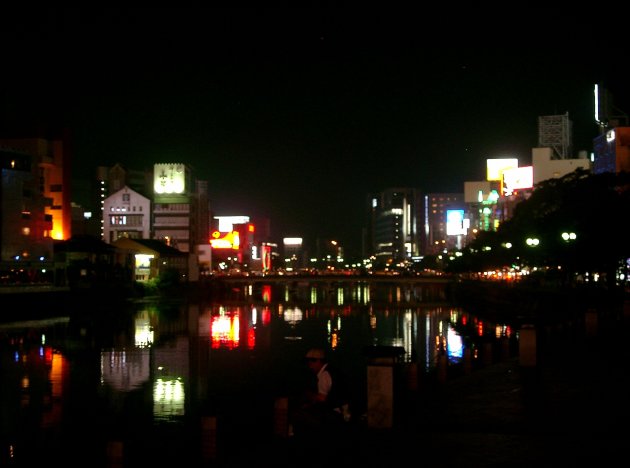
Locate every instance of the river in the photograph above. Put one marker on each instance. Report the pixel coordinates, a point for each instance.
(153, 380)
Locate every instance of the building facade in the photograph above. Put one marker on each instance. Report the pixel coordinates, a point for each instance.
(395, 231)
(26, 231)
(180, 207)
(126, 213)
(443, 212)
(50, 169)
(612, 151)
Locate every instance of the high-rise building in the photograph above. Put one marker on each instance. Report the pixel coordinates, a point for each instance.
(26, 227)
(396, 222)
(50, 169)
(443, 222)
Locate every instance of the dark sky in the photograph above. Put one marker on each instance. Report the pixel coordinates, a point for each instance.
(298, 114)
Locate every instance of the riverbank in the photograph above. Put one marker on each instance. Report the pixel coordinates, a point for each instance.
(528, 303)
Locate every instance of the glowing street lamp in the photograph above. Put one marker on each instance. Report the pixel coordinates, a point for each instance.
(532, 241)
(568, 236)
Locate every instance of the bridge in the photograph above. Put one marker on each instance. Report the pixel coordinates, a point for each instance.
(389, 288)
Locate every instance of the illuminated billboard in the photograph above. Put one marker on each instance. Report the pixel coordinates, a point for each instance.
(495, 167)
(169, 178)
(225, 240)
(226, 223)
(455, 223)
(518, 178)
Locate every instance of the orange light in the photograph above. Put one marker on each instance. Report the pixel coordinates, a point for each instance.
(225, 240)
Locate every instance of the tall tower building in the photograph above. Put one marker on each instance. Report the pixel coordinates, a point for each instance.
(396, 226)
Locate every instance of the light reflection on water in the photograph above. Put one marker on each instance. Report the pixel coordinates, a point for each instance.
(170, 364)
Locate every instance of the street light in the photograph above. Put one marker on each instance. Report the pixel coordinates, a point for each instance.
(532, 241)
(568, 236)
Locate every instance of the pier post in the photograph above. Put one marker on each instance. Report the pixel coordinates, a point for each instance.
(281, 417)
(209, 438)
(114, 454)
(527, 346)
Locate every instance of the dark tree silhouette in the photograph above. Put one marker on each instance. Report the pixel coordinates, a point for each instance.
(594, 207)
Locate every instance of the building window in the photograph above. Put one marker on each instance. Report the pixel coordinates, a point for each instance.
(125, 197)
(118, 220)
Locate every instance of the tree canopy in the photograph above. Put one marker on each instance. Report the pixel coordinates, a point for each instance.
(575, 225)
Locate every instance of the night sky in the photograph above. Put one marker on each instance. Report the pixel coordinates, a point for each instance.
(298, 114)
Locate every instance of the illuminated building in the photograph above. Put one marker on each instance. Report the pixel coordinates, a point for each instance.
(126, 213)
(439, 222)
(180, 207)
(612, 151)
(51, 176)
(34, 205)
(396, 217)
(152, 257)
(234, 248)
(110, 180)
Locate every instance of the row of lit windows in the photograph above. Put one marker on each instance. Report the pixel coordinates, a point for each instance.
(124, 209)
(125, 220)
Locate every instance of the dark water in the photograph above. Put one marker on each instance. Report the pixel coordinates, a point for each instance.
(152, 381)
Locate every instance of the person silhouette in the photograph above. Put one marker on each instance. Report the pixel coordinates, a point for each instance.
(322, 406)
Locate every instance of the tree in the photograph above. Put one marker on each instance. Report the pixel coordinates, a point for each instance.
(588, 209)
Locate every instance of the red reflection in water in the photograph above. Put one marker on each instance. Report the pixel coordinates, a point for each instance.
(266, 315)
(266, 293)
(224, 331)
(251, 338)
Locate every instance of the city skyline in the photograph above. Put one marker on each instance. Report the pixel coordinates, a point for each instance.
(291, 114)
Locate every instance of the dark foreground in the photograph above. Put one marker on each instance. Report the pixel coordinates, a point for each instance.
(570, 408)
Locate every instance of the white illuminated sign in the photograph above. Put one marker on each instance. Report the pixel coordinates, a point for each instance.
(518, 178)
(495, 167)
(455, 222)
(169, 178)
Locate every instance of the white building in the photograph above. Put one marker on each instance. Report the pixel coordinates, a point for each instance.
(126, 213)
(545, 167)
